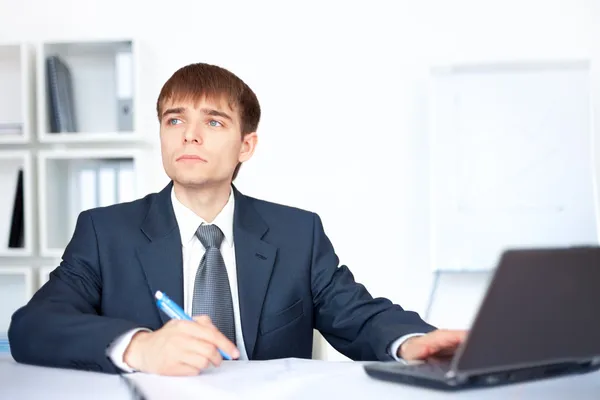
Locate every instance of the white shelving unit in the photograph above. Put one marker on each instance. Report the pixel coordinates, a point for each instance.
(16, 285)
(100, 79)
(64, 172)
(81, 179)
(16, 93)
(15, 208)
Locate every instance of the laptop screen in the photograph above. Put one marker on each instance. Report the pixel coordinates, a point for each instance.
(542, 307)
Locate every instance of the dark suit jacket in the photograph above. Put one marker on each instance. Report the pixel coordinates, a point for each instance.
(288, 276)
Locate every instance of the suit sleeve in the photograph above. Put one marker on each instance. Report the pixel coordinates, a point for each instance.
(61, 326)
(351, 320)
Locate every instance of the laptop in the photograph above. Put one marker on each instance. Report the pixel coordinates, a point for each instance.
(539, 318)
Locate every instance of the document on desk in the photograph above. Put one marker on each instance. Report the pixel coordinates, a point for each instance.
(241, 379)
(299, 379)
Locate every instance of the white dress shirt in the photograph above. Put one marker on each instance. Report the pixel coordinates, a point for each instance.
(193, 251)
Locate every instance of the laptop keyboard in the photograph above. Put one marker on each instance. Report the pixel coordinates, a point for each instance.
(431, 368)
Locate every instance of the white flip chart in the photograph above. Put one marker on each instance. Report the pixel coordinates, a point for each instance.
(512, 161)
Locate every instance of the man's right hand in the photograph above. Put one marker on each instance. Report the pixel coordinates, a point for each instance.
(179, 348)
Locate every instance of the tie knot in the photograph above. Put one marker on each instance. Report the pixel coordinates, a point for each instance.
(209, 236)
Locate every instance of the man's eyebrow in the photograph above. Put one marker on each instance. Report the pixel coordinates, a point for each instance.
(176, 110)
(216, 113)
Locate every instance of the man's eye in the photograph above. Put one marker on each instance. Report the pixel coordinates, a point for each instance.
(213, 122)
(173, 121)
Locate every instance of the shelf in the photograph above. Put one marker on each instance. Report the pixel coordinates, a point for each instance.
(81, 179)
(96, 91)
(16, 288)
(15, 204)
(96, 137)
(17, 99)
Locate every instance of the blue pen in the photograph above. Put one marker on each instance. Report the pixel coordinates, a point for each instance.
(175, 312)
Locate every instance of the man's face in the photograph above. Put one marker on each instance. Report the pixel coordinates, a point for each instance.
(201, 142)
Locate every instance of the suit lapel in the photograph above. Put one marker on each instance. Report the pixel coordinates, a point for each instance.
(161, 257)
(254, 260)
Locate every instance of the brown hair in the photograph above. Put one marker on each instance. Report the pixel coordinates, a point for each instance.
(197, 81)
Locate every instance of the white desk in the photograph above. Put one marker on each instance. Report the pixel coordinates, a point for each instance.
(19, 381)
(278, 379)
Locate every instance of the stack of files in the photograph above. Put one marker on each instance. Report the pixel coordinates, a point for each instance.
(10, 129)
(60, 92)
(4, 347)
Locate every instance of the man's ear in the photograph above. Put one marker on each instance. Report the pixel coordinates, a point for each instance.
(249, 142)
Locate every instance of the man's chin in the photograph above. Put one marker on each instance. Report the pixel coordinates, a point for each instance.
(195, 183)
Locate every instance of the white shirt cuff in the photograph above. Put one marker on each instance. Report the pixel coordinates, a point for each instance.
(398, 342)
(117, 348)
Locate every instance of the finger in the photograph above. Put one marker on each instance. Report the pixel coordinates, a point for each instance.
(447, 351)
(442, 339)
(415, 350)
(453, 335)
(211, 335)
(436, 347)
(204, 320)
(421, 348)
(443, 344)
(194, 360)
(201, 349)
(439, 342)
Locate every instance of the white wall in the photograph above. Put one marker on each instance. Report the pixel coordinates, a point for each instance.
(343, 91)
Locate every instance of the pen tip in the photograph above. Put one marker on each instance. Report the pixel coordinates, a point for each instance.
(158, 295)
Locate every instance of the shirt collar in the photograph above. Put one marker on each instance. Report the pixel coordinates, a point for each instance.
(189, 222)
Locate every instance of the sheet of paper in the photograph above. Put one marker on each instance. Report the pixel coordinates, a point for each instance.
(240, 378)
(296, 379)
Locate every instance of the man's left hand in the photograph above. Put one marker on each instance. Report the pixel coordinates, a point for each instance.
(437, 344)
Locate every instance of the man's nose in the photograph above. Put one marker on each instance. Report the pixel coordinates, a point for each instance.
(193, 134)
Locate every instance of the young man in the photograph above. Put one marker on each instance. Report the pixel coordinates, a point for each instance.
(257, 277)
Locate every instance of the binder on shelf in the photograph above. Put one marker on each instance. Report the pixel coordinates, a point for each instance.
(107, 181)
(87, 189)
(126, 183)
(17, 226)
(124, 78)
(105, 184)
(60, 95)
(11, 129)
